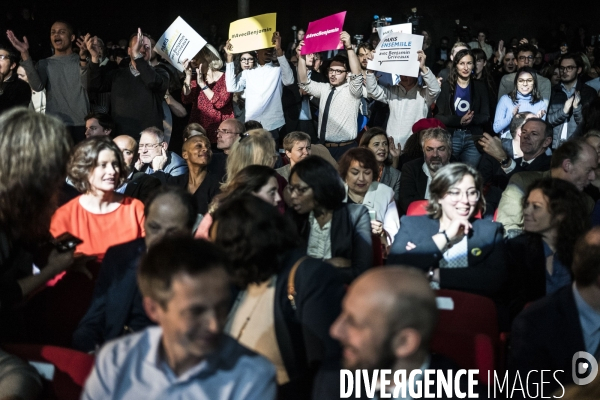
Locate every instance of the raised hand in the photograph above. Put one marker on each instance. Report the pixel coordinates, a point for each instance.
(346, 41)
(159, 162)
(229, 50)
(299, 49)
(22, 47)
(421, 58)
(276, 40)
(492, 145)
(200, 77)
(395, 151)
(138, 43)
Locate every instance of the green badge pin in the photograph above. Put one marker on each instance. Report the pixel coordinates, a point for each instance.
(476, 251)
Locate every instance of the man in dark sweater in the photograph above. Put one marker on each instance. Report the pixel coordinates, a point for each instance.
(13, 91)
(137, 92)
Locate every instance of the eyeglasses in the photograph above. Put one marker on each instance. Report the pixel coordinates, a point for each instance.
(149, 146)
(4, 57)
(567, 68)
(456, 195)
(246, 60)
(527, 81)
(336, 71)
(225, 132)
(300, 190)
(523, 58)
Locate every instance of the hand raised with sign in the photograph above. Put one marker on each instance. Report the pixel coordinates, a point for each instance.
(277, 42)
(346, 41)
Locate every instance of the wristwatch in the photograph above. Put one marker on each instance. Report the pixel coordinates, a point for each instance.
(204, 88)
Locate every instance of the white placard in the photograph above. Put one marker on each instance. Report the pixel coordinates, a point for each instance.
(396, 53)
(399, 28)
(178, 43)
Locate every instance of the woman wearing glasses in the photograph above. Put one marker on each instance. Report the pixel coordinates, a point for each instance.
(457, 250)
(243, 62)
(525, 97)
(211, 102)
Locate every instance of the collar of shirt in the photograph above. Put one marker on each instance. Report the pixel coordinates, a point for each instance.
(426, 170)
(590, 318)
(390, 389)
(133, 71)
(315, 224)
(569, 93)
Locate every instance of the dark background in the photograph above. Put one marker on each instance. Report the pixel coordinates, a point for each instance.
(113, 19)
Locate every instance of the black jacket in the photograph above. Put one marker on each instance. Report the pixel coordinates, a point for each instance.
(15, 93)
(413, 183)
(141, 186)
(479, 104)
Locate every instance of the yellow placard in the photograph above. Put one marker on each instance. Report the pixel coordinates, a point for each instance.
(252, 33)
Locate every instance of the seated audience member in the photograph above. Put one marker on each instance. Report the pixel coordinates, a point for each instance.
(288, 328)
(98, 124)
(186, 291)
(408, 100)
(592, 138)
(249, 125)
(417, 174)
(202, 185)
(547, 334)
(154, 155)
(460, 252)
(228, 133)
(388, 318)
(574, 161)
(193, 129)
(412, 148)
(18, 379)
(15, 92)
(100, 217)
(358, 167)
(27, 200)
(334, 231)
(38, 99)
(138, 185)
(525, 97)
(499, 149)
(554, 217)
(116, 308)
(386, 155)
(463, 106)
(258, 180)
(297, 147)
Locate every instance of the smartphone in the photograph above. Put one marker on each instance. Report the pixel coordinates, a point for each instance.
(66, 242)
(476, 138)
(373, 215)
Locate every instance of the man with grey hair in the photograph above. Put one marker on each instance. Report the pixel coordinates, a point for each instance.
(154, 155)
(417, 174)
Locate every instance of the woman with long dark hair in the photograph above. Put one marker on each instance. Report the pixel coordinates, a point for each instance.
(463, 107)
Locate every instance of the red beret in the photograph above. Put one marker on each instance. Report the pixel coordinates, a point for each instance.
(426, 123)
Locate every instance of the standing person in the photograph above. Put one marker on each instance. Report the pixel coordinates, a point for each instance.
(241, 62)
(13, 91)
(211, 102)
(481, 44)
(524, 54)
(340, 99)
(568, 99)
(262, 86)
(137, 92)
(65, 75)
(409, 102)
(464, 108)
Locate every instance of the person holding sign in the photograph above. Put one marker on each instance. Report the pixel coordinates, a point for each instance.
(262, 85)
(408, 101)
(463, 107)
(339, 99)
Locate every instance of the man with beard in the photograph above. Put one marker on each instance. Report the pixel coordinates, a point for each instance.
(417, 174)
(568, 100)
(387, 322)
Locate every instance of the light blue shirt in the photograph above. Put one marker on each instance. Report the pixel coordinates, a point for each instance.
(132, 368)
(504, 110)
(590, 322)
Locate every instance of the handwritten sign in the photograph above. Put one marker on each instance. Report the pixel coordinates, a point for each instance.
(252, 33)
(397, 54)
(178, 43)
(399, 28)
(324, 34)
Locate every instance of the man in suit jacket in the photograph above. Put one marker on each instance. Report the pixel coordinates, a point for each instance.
(547, 334)
(574, 161)
(387, 321)
(116, 306)
(417, 174)
(138, 184)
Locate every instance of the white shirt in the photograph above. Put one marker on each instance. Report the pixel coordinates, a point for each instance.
(429, 177)
(262, 88)
(319, 240)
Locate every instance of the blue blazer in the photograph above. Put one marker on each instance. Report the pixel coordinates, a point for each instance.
(486, 273)
(116, 302)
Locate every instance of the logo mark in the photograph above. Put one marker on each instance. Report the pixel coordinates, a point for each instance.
(580, 368)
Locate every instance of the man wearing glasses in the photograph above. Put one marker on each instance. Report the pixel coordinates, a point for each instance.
(339, 99)
(525, 56)
(154, 155)
(568, 99)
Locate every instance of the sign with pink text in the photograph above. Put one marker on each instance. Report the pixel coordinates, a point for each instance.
(324, 34)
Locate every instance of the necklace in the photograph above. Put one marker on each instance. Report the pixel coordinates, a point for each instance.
(249, 317)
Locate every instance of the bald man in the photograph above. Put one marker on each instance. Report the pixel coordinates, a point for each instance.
(387, 321)
(138, 184)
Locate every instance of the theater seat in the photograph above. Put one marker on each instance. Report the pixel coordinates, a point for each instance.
(71, 368)
(417, 208)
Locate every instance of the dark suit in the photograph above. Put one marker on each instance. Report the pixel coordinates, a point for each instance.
(413, 183)
(486, 273)
(545, 336)
(350, 238)
(116, 302)
(141, 186)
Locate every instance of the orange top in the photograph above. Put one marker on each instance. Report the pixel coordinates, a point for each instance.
(99, 231)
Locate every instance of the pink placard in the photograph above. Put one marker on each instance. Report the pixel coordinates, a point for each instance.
(324, 34)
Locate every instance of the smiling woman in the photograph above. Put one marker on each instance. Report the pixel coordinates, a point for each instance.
(100, 217)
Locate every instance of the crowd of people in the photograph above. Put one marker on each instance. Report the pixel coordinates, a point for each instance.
(248, 227)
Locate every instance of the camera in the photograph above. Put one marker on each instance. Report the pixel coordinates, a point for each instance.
(380, 21)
